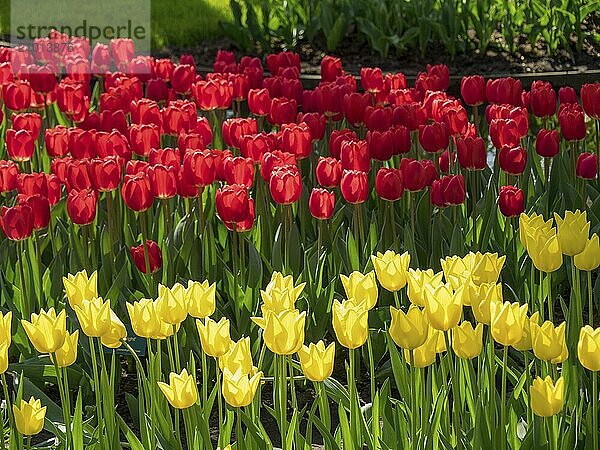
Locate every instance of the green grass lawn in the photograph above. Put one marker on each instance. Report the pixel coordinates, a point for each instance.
(174, 22)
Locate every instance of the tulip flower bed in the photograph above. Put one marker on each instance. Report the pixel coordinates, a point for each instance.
(423, 268)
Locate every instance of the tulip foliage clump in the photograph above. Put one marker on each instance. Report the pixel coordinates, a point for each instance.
(235, 260)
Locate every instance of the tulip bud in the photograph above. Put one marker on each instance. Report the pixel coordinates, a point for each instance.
(321, 203)
(316, 360)
(547, 398)
(350, 323)
(29, 417)
(511, 201)
(214, 336)
(154, 257)
(354, 186)
(409, 330)
(588, 348)
(467, 341)
(388, 184)
(181, 392)
(587, 166)
(391, 269)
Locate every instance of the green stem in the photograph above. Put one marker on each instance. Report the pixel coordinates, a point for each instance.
(204, 378)
(145, 237)
(595, 410)
(590, 298)
(28, 443)
(550, 301)
(219, 401)
(176, 349)
(324, 411)
(11, 422)
(97, 391)
(63, 399)
(25, 300)
(413, 400)
(354, 424)
(293, 392)
(282, 399)
(38, 257)
(503, 401)
(371, 366)
(455, 391)
(239, 435)
(86, 246)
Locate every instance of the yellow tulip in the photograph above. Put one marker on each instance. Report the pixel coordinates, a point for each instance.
(564, 354)
(317, 360)
(181, 392)
(588, 348)
(350, 323)
(238, 357)
(525, 342)
(508, 320)
(409, 330)
(277, 300)
(5, 327)
(443, 307)
(361, 287)
(391, 269)
(80, 287)
(29, 418)
(166, 329)
(3, 357)
(545, 252)
(424, 355)
(547, 398)
(214, 336)
(239, 388)
(171, 304)
(94, 316)
(456, 270)
(115, 334)
(47, 331)
(200, 298)
(284, 283)
(487, 268)
(466, 340)
(144, 318)
(531, 225)
(589, 258)
(417, 280)
(489, 293)
(547, 340)
(67, 354)
(573, 231)
(283, 332)
(440, 340)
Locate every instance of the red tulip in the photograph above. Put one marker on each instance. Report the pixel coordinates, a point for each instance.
(542, 101)
(504, 132)
(57, 141)
(239, 170)
(54, 188)
(178, 116)
(154, 256)
(122, 51)
(78, 175)
(17, 95)
(278, 62)
(331, 68)
(316, 124)
(388, 184)
(81, 206)
(246, 224)
(417, 175)
(512, 160)
(381, 145)
(199, 167)
(328, 172)
(371, 79)
(232, 203)
(355, 105)
(214, 93)
(166, 156)
(378, 118)
(9, 172)
(572, 122)
(282, 111)
(17, 222)
(354, 186)
(182, 78)
(112, 144)
(31, 122)
(321, 203)
(100, 58)
(511, 201)
(143, 138)
(146, 111)
(163, 181)
(434, 137)
(137, 192)
(40, 209)
(234, 129)
(504, 91)
(295, 138)
(587, 166)
(449, 190)
(567, 94)
(255, 145)
(20, 145)
(72, 98)
(259, 102)
(547, 143)
(590, 99)
(471, 153)
(32, 183)
(285, 184)
(472, 90)
(355, 156)
(105, 173)
(337, 138)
